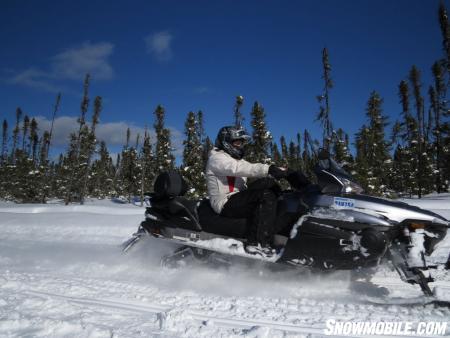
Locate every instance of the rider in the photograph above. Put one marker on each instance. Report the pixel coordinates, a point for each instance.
(226, 177)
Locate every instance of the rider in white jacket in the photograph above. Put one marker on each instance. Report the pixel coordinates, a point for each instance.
(226, 178)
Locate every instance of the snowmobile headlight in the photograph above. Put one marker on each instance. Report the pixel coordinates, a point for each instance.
(350, 187)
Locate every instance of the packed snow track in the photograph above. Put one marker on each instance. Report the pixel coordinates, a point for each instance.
(62, 274)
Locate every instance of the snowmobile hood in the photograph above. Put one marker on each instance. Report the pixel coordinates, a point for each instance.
(396, 210)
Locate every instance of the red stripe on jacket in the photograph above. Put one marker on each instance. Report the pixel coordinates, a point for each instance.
(231, 180)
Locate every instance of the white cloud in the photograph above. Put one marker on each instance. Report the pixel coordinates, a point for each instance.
(74, 63)
(159, 45)
(34, 78)
(113, 133)
(63, 126)
(71, 64)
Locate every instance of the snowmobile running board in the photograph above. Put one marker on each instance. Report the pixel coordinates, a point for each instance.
(219, 244)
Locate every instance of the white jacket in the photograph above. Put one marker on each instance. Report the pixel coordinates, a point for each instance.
(226, 175)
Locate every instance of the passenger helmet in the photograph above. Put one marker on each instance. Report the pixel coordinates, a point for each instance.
(227, 135)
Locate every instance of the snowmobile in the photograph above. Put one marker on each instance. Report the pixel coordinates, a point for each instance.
(342, 229)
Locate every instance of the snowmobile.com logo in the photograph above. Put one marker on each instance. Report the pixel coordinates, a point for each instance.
(337, 328)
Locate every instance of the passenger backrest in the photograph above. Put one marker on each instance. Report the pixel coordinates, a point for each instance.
(170, 184)
(169, 188)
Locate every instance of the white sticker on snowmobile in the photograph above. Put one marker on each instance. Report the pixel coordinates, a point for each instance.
(343, 203)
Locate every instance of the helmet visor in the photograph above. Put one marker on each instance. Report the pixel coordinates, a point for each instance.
(239, 134)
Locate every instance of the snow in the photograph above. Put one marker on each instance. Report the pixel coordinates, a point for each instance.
(62, 274)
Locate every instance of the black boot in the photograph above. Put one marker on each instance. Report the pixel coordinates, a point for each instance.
(262, 225)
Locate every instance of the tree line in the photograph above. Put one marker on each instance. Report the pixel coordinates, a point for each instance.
(411, 156)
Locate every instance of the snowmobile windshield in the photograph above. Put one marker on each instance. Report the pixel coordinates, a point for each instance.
(332, 178)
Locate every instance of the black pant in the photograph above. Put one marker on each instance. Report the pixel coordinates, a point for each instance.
(259, 207)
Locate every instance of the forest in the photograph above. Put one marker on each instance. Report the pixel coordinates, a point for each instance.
(408, 157)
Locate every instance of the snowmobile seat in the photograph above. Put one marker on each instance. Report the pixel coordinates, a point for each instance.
(184, 207)
(169, 189)
(214, 223)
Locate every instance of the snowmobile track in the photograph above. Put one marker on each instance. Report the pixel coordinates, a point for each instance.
(196, 315)
(201, 317)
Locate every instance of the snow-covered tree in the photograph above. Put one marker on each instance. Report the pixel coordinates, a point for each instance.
(258, 151)
(146, 159)
(439, 108)
(163, 154)
(77, 156)
(422, 150)
(373, 161)
(102, 172)
(341, 149)
(88, 147)
(193, 167)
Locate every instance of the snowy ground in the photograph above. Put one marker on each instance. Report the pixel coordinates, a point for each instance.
(62, 275)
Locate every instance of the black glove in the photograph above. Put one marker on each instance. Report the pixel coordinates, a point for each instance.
(277, 173)
(297, 179)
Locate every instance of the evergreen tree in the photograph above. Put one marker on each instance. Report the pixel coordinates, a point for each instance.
(308, 156)
(294, 157)
(34, 139)
(89, 144)
(55, 110)
(128, 182)
(16, 132)
(193, 157)
(77, 159)
(445, 126)
(100, 181)
(324, 100)
(261, 137)
(341, 149)
(445, 30)
(424, 161)
(147, 164)
(238, 118)
(414, 78)
(284, 152)
(205, 140)
(163, 155)
(44, 168)
(4, 154)
(276, 156)
(363, 174)
(439, 107)
(373, 149)
(26, 126)
(409, 136)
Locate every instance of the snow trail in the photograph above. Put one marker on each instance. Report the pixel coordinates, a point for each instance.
(62, 275)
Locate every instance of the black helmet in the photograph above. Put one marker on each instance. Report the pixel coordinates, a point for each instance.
(226, 137)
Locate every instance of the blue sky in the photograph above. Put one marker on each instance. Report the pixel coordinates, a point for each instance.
(192, 55)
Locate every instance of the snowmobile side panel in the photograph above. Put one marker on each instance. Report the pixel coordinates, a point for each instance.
(327, 247)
